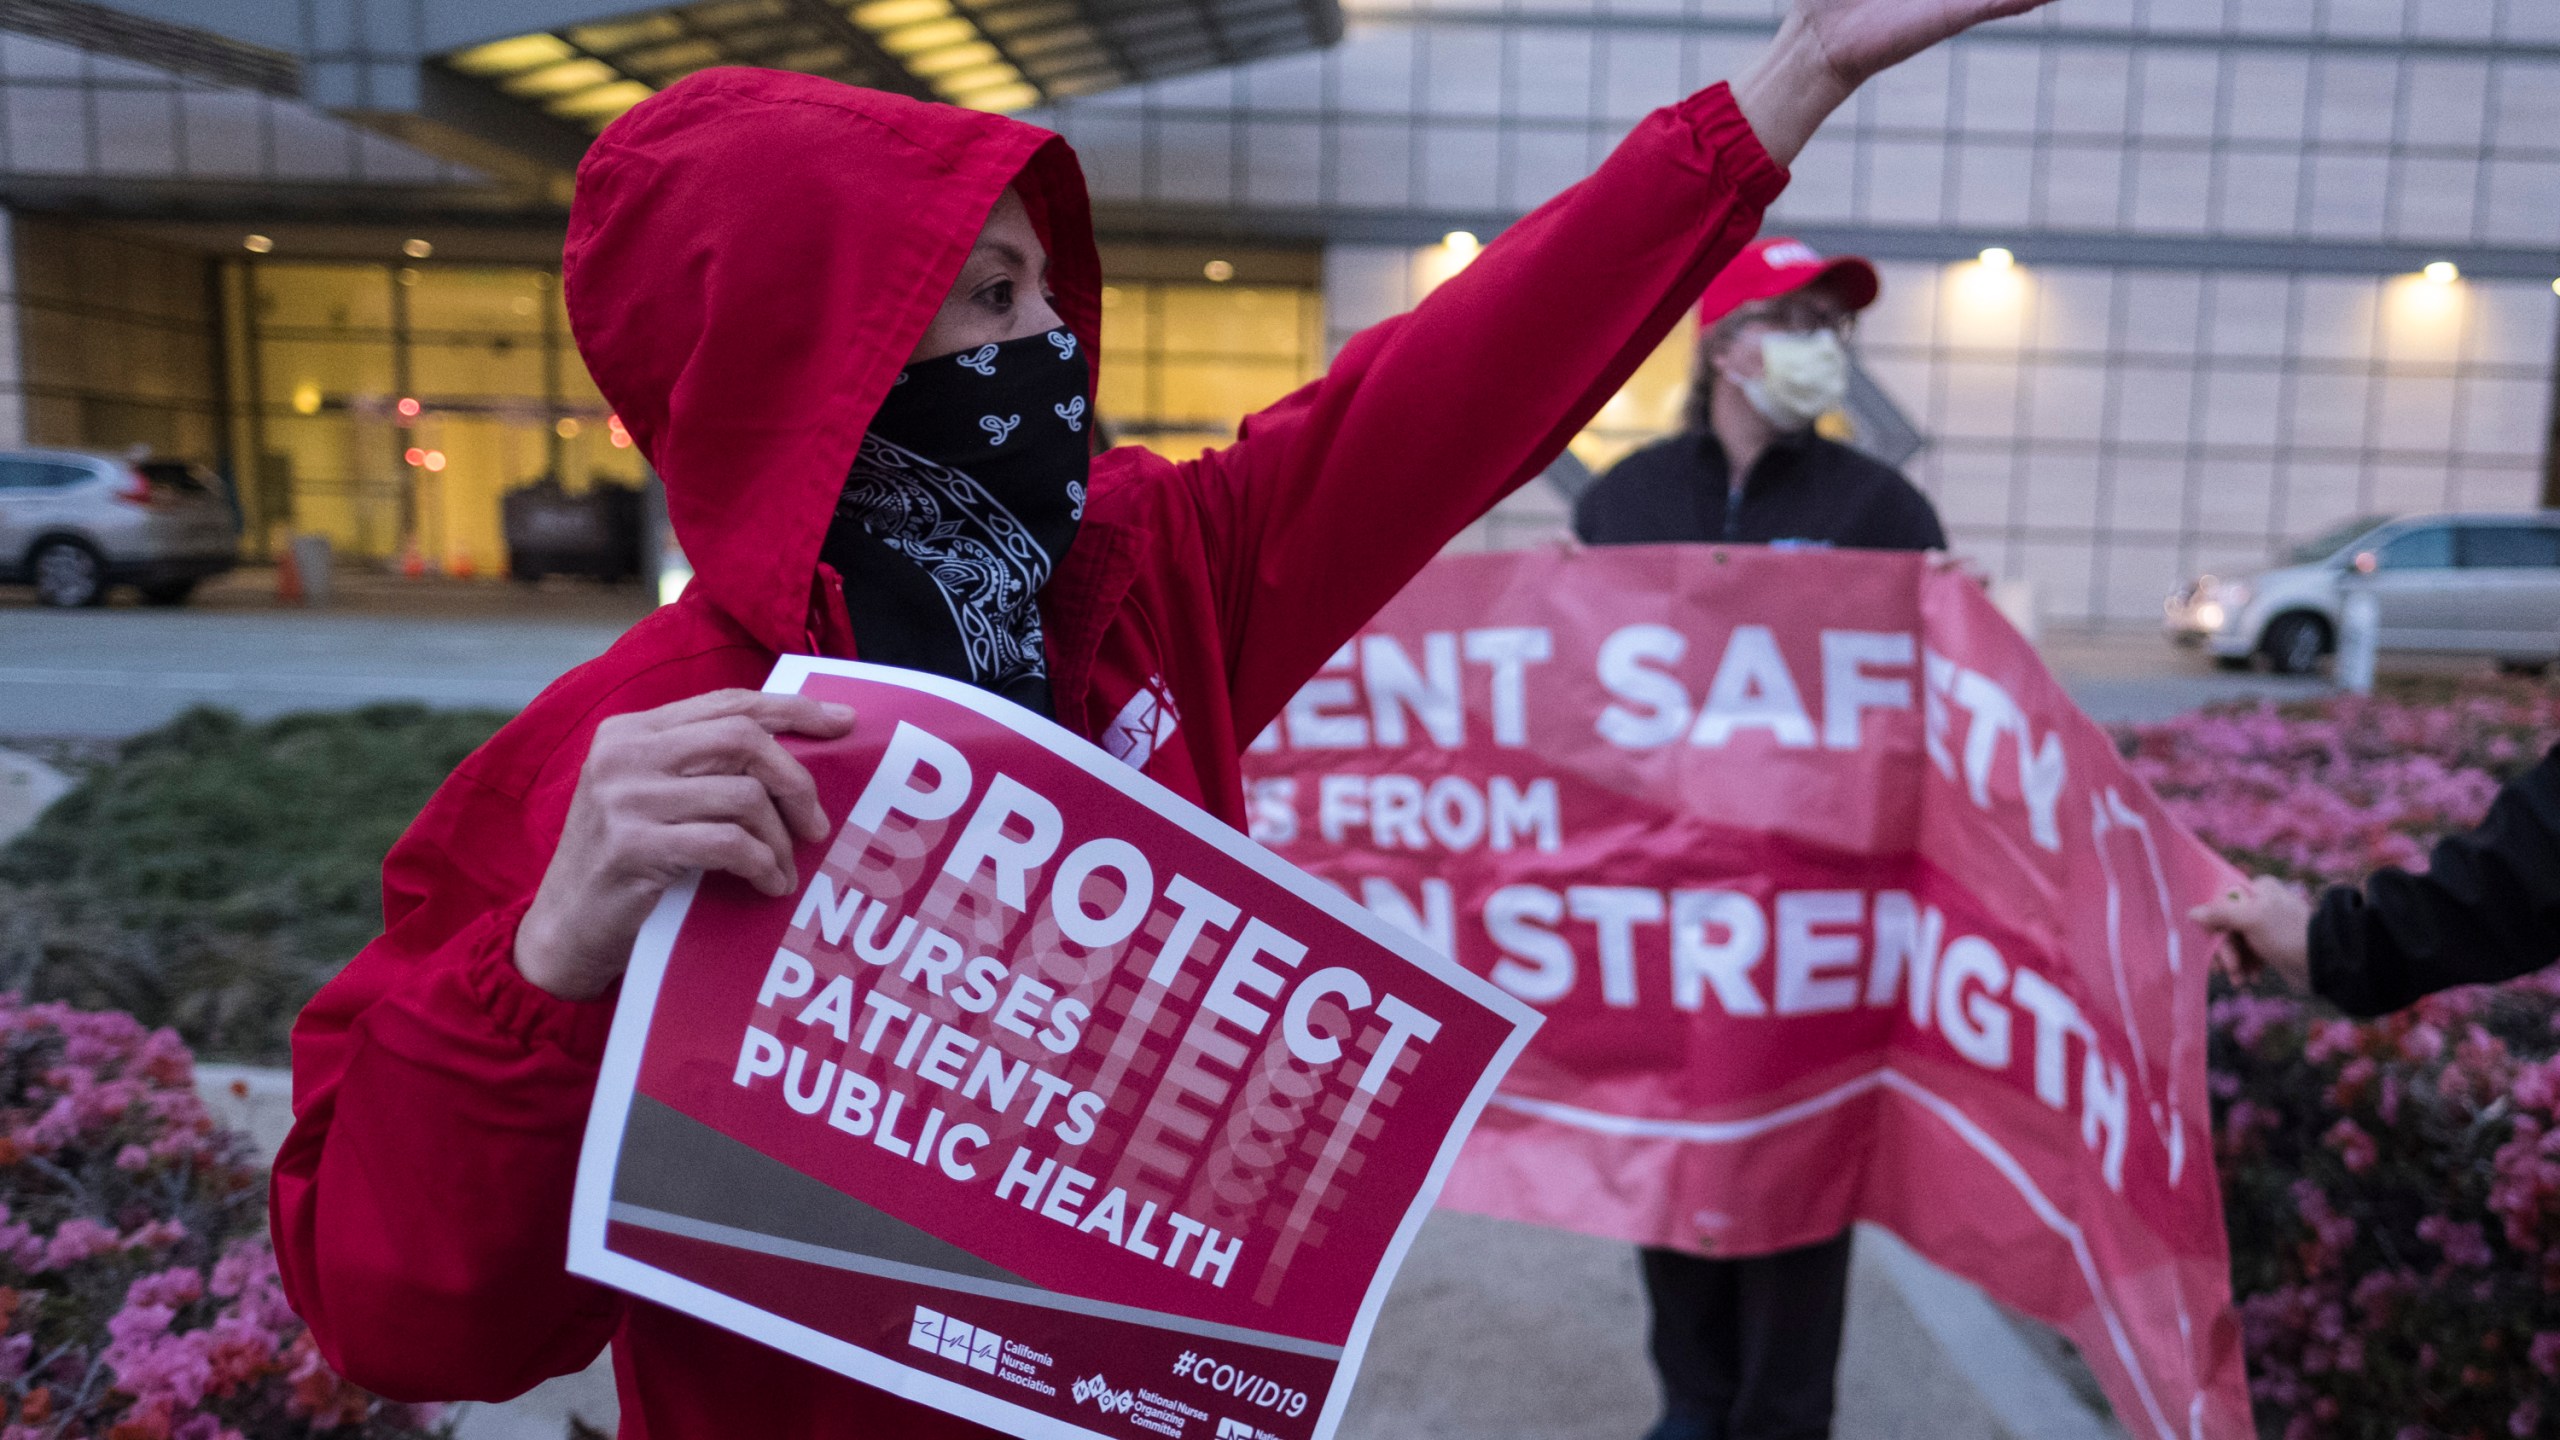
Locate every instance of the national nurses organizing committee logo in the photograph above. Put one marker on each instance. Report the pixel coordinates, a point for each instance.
(1096, 1391)
(955, 1340)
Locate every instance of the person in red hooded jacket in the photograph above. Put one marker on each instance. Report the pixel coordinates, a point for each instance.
(855, 335)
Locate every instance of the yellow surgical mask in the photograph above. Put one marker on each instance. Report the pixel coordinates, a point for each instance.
(1804, 376)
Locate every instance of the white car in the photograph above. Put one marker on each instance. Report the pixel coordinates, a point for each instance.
(73, 523)
(2461, 584)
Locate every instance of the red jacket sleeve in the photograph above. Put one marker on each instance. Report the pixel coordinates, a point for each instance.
(1330, 500)
(420, 1206)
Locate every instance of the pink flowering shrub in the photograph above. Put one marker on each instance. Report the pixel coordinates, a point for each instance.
(138, 1297)
(2392, 1189)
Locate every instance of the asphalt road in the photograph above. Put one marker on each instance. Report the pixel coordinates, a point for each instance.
(119, 670)
(123, 669)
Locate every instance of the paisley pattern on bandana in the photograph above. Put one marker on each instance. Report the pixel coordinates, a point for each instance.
(962, 497)
(985, 561)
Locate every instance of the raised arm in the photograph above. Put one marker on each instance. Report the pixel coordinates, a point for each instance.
(1332, 498)
(2487, 908)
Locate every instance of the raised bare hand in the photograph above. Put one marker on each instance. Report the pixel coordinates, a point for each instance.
(1863, 38)
(698, 785)
(1827, 48)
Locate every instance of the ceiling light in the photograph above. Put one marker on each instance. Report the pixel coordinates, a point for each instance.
(506, 57)
(565, 78)
(623, 34)
(931, 35)
(1997, 258)
(888, 14)
(1462, 243)
(261, 244)
(602, 104)
(948, 64)
(417, 249)
(2442, 272)
(1014, 96)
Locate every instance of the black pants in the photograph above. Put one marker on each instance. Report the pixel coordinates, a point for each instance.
(1748, 1349)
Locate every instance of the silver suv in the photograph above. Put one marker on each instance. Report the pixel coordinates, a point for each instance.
(2463, 584)
(74, 523)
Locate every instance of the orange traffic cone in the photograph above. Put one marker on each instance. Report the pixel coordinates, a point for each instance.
(413, 564)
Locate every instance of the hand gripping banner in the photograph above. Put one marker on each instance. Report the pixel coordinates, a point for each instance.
(1048, 1101)
(1837, 910)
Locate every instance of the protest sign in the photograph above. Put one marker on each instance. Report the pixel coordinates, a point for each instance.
(1837, 909)
(1048, 1100)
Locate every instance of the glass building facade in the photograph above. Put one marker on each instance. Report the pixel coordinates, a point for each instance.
(2277, 262)
(387, 406)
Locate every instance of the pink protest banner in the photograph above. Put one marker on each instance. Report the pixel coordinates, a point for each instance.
(1048, 1101)
(1836, 906)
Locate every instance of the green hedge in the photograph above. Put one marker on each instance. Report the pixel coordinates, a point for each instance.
(216, 872)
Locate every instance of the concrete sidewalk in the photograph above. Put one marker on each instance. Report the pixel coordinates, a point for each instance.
(1501, 1331)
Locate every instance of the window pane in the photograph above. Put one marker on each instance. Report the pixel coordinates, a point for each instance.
(483, 456)
(1185, 361)
(446, 299)
(2420, 550)
(2510, 547)
(179, 477)
(36, 475)
(1127, 384)
(1128, 324)
(1232, 320)
(322, 297)
(341, 472)
(1213, 393)
(307, 377)
(481, 369)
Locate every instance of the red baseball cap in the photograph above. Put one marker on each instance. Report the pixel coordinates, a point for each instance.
(1779, 266)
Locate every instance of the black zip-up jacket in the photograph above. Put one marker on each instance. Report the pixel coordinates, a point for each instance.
(2487, 908)
(1803, 490)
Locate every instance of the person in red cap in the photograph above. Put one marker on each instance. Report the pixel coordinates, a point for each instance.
(1749, 467)
(1748, 1348)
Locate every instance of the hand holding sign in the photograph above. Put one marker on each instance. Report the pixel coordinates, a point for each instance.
(697, 785)
(2265, 927)
(1837, 910)
(1043, 1097)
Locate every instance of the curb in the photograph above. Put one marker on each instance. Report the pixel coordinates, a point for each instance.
(1929, 1355)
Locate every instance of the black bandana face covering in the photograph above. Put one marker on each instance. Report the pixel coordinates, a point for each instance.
(965, 494)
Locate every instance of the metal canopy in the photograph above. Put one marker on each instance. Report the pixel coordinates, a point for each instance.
(986, 54)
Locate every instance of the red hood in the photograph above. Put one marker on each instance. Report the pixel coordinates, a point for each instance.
(752, 257)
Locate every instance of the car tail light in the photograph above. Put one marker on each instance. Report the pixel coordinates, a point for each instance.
(136, 489)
